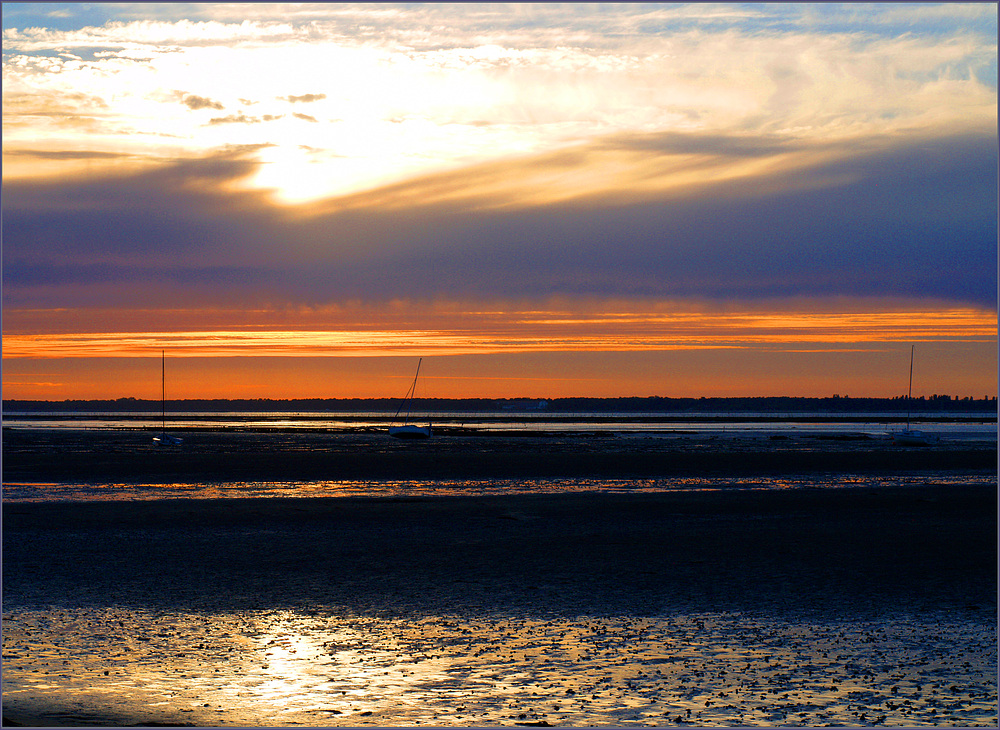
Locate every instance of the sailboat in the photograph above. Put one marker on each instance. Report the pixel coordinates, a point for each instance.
(164, 439)
(909, 436)
(409, 430)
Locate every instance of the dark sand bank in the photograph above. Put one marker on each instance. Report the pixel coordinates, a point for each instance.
(130, 457)
(923, 544)
(843, 551)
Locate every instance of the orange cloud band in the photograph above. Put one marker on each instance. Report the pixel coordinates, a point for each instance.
(529, 332)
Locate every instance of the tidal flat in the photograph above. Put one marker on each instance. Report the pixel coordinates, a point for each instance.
(762, 605)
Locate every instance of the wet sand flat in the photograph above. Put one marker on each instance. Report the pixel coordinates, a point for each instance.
(114, 666)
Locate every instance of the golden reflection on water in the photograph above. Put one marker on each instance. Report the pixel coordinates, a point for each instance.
(339, 671)
(328, 668)
(27, 492)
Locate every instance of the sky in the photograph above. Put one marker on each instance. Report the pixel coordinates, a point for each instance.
(299, 200)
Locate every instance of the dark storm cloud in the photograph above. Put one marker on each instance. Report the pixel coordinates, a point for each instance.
(158, 217)
(916, 220)
(911, 222)
(54, 274)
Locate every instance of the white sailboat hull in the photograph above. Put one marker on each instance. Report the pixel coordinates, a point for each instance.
(165, 439)
(410, 431)
(910, 437)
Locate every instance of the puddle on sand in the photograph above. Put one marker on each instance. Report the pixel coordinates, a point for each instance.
(119, 666)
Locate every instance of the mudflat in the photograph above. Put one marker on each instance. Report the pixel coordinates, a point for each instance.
(921, 543)
(589, 608)
(923, 547)
(221, 455)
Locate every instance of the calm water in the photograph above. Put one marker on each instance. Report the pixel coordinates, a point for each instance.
(947, 425)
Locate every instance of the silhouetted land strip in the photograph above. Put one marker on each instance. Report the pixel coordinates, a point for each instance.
(653, 404)
(220, 456)
(853, 552)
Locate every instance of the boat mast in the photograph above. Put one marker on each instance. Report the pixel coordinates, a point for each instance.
(408, 399)
(413, 392)
(909, 390)
(163, 389)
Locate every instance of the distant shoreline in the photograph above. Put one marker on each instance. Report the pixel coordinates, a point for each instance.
(469, 424)
(835, 405)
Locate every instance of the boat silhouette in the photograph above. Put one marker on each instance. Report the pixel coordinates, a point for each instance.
(409, 430)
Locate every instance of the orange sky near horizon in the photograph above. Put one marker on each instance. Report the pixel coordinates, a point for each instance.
(537, 352)
(962, 370)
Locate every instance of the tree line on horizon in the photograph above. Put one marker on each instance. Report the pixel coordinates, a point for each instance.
(628, 404)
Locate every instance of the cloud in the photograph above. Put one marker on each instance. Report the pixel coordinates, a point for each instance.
(534, 331)
(194, 102)
(149, 218)
(306, 98)
(907, 219)
(65, 155)
(419, 89)
(528, 16)
(720, 151)
(66, 112)
(136, 34)
(242, 118)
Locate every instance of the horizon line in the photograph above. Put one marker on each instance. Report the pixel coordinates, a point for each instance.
(525, 399)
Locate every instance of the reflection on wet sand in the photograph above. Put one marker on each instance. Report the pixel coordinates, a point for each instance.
(22, 492)
(325, 668)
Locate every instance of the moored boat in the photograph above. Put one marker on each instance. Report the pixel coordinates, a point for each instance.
(408, 430)
(164, 438)
(909, 436)
(913, 437)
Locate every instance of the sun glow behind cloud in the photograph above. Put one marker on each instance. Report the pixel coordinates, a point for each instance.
(334, 111)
